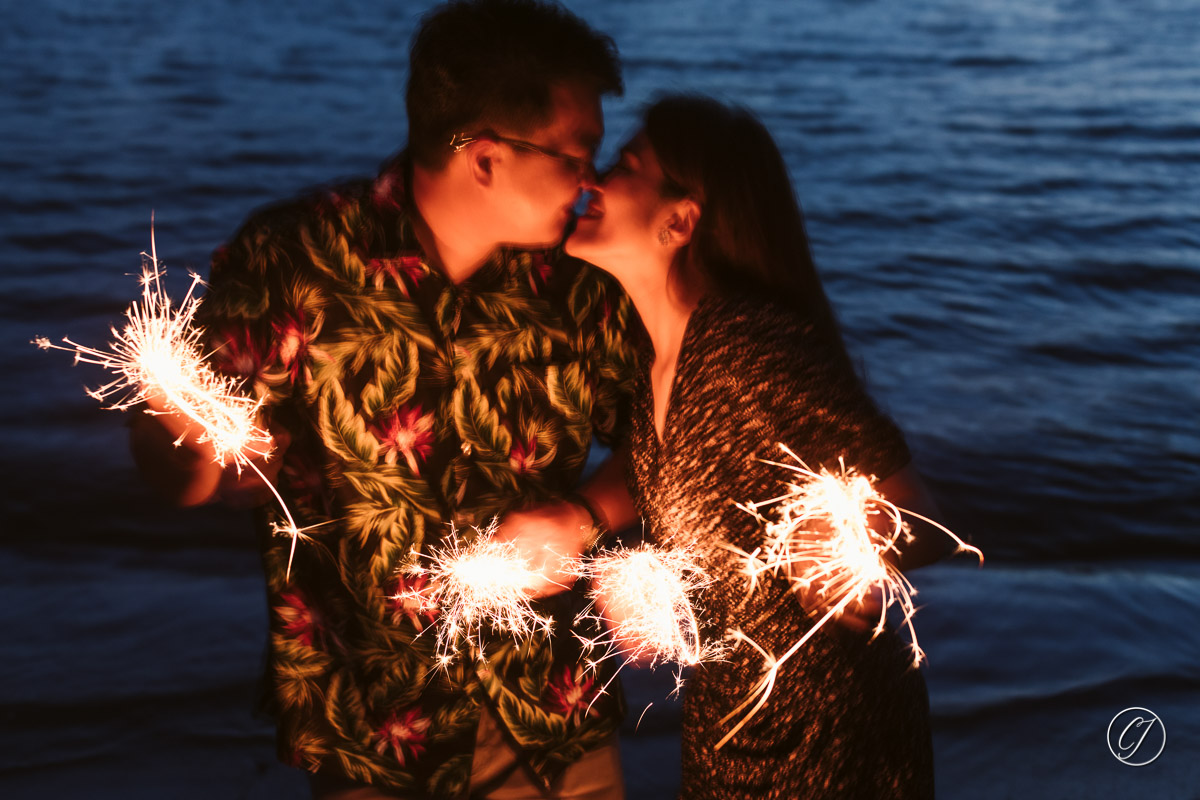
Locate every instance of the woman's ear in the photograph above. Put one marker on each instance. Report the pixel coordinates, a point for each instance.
(681, 224)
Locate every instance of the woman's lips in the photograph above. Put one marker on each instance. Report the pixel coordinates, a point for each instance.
(592, 212)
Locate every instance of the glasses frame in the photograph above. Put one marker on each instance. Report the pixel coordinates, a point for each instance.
(579, 166)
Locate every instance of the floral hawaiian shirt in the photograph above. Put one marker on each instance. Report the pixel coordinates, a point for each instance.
(410, 404)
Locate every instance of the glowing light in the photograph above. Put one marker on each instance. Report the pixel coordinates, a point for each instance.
(645, 596)
(479, 586)
(158, 355)
(822, 540)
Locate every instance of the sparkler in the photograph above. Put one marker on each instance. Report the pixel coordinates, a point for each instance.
(644, 598)
(480, 586)
(823, 541)
(645, 595)
(158, 354)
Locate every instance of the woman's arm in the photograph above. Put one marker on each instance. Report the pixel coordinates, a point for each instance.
(907, 491)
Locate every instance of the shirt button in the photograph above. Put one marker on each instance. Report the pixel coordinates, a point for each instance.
(466, 448)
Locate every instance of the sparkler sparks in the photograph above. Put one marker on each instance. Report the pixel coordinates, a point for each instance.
(477, 586)
(823, 541)
(645, 595)
(157, 355)
(644, 598)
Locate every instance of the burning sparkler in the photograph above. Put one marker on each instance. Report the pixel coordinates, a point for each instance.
(477, 586)
(158, 355)
(822, 540)
(645, 596)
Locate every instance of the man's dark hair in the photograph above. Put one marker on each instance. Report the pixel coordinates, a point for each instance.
(491, 64)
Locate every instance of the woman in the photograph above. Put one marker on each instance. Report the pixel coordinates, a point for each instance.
(699, 223)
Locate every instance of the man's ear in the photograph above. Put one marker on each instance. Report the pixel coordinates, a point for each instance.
(681, 224)
(481, 161)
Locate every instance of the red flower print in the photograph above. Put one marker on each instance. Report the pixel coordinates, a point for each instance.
(386, 191)
(305, 480)
(406, 432)
(332, 204)
(237, 353)
(291, 343)
(539, 271)
(606, 312)
(403, 733)
(381, 269)
(300, 621)
(570, 697)
(523, 455)
(411, 598)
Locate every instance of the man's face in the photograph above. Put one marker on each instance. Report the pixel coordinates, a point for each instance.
(536, 189)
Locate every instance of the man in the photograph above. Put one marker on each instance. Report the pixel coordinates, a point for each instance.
(423, 363)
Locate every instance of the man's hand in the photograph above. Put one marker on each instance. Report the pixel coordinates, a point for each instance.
(552, 536)
(247, 489)
(169, 453)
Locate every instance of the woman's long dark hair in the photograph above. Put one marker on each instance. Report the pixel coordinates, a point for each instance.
(750, 237)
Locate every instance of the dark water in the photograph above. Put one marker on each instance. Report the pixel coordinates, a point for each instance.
(1004, 198)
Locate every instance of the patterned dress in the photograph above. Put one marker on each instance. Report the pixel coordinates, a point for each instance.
(848, 718)
(412, 403)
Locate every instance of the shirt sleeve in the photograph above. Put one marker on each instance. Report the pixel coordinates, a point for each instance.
(612, 353)
(253, 319)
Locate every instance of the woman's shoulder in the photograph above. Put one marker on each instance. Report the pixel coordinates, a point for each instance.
(751, 323)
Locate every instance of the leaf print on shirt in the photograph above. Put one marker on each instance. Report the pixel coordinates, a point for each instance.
(381, 270)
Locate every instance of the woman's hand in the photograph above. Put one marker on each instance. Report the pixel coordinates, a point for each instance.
(858, 615)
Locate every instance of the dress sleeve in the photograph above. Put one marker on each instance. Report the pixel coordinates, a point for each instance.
(808, 397)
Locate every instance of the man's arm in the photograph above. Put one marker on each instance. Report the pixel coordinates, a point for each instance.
(184, 470)
(608, 493)
(165, 446)
(553, 535)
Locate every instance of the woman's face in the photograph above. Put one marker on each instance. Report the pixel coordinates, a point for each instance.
(626, 212)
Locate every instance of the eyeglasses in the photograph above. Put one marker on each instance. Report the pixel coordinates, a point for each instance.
(578, 166)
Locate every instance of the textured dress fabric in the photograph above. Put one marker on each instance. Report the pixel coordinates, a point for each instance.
(849, 715)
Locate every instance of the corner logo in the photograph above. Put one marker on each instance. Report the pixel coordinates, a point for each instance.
(1136, 736)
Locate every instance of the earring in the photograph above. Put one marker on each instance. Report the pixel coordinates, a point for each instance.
(664, 238)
